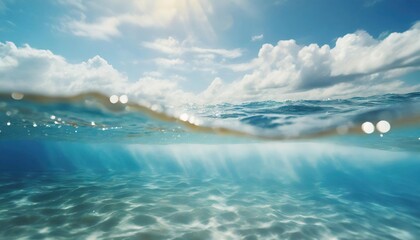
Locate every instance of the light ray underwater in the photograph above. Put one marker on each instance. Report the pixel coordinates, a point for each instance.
(83, 167)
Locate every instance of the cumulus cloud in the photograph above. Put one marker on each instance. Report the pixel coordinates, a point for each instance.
(357, 65)
(165, 91)
(27, 69)
(287, 68)
(360, 53)
(34, 70)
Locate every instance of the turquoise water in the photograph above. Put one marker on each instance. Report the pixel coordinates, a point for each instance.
(81, 167)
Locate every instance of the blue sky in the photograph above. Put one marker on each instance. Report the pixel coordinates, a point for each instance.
(199, 49)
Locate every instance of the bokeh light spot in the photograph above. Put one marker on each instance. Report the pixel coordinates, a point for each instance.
(368, 127)
(383, 126)
(123, 99)
(113, 99)
(17, 96)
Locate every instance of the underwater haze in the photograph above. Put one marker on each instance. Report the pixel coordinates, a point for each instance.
(84, 168)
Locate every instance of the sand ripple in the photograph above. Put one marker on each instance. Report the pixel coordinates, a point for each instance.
(121, 206)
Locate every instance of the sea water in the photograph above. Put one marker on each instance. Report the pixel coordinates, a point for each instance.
(81, 167)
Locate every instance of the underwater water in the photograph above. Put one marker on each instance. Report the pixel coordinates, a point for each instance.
(82, 167)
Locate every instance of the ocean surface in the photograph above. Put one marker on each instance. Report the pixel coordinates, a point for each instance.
(92, 167)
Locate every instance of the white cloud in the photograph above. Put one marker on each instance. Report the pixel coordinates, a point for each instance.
(101, 29)
(158, 90)
(358, 65)
(357, 59)
(359, 53)
(153, 74)
(168, 45)
(168, 62)
(188, 57)
(257, 37)
(234, 53)
(219, 92)
(172, 46)
(33, 70)
(213, 89)
(104, 19)
(26, 69)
